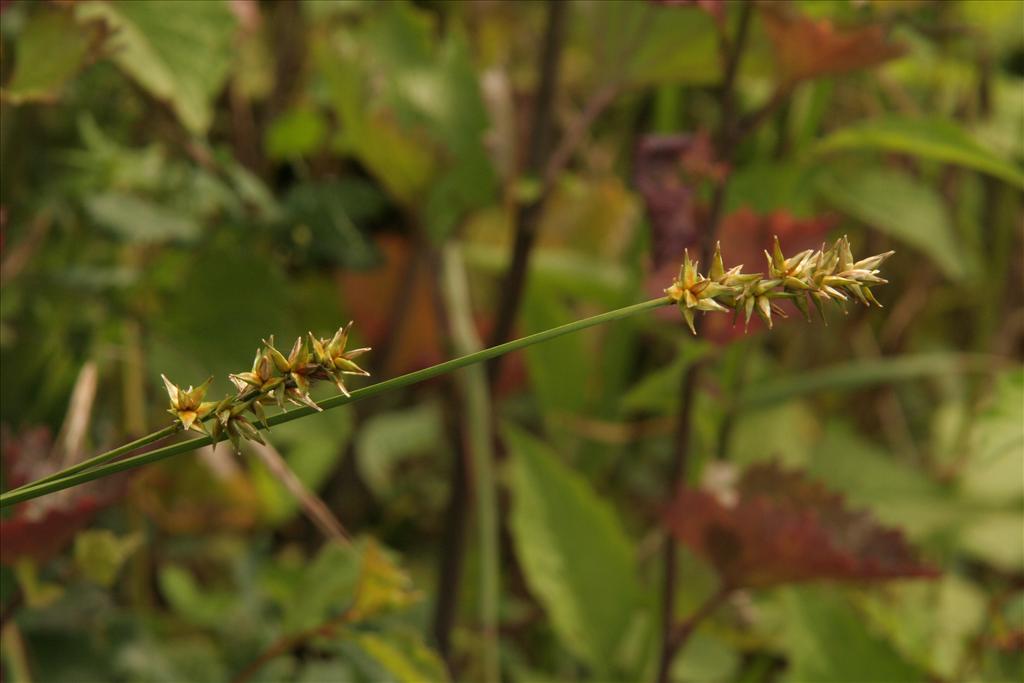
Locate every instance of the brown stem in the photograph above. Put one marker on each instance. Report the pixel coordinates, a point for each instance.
(312, 505)
(528, 214)
(453, 538)
(731, 52)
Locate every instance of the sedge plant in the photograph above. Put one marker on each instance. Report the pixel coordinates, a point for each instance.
(808, 279)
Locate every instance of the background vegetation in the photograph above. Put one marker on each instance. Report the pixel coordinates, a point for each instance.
(181, 179)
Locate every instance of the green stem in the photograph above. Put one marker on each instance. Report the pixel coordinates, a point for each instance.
(478, 416)
(74, 475)
(101, 458)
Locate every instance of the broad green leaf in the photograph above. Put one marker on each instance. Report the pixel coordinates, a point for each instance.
(899, 205)
(99, 553)
(994, 470)
(50, 49)
(996, 538)
(929, 138)
(785, 433)
(771, 186)
(930, 622)
(645, 44)
(421, 131)
(707, 659)
(578, 561)
(898, 494)
(827, 641)
(135, 219)
(179, 52)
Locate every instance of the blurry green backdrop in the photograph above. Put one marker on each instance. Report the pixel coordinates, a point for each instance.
(181, 179)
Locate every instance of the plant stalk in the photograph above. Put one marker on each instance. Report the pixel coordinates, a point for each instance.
(478, 415)
(75, 475)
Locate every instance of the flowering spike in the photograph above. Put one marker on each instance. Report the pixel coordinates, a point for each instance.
(828, 274)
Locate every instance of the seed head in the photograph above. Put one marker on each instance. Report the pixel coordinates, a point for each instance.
(829, 274)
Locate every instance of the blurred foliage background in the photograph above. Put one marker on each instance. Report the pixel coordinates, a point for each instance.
(181, 179)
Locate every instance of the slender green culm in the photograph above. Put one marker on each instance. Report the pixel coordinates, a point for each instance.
(65, 479)
(815, 277)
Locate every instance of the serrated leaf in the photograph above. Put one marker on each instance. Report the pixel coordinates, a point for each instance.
(577, 558)
(784, 527)
(928, 138)
(178, 52)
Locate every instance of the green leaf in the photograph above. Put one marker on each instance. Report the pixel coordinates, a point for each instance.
(996, 538)
(189, 600)
(578, 561)
(139, 220)
(178, 52)
(826, 641)
(50, 50)
(993, 471)
(707, 659)
(402, 659)
(295, 134)
(388, 438)
(326, 587)
(898, 494)
(767, 186)
(899, 205)
(421, 131)
(99, 554)
(766, 393)
(648, 45)
(929, 138)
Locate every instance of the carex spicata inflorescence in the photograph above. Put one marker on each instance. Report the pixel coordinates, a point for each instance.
(828, 274)
(274, 379)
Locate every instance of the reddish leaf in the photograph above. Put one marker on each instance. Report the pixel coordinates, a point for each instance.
(42, 527)
(808, 48)
(783, 528)
(43, 537)
(368, 296)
